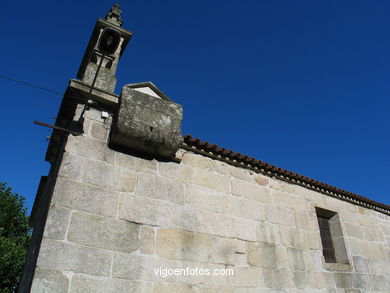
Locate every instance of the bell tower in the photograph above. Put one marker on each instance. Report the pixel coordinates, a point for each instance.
(94, 55)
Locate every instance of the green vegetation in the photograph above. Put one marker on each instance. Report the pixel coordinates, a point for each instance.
(14, 238)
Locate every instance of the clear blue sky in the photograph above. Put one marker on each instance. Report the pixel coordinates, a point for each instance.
(303, 85)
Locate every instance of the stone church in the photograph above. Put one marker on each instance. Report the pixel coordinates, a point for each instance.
(132, 205)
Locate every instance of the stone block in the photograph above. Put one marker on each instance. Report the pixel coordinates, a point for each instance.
(97, 231)
(292, 237)
(147, 239)
(277, 278)
(306, 222)
(88, 284)
(157, 213)
(219, 167)
(85, 147)
(343, 280)
(157, 187)
(353, 231)
(79, 196)
(240, 173)
(299, 279)
(267, 232)
(296, 259)
(228, 251)
(109, 176)
(360, 264)
(68, 257)
(245, 277)
(262, 255)
(261, 179)
(211, 180)
(148, 124)
(361, 281)
(57, 223)
(281, 216)
(173, 170)
(281, 256)
(380, 283)
(243, 207)
(173, 288)
(99, 130)
(204, 198)
(71, 167)
(183, 245)
(49, 281)
(373, 250)
(316, 280)
(251, 190)
(196, 160)
(226, 225)
(135, 163)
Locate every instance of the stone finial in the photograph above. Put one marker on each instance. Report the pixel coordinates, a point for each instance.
(114, 15)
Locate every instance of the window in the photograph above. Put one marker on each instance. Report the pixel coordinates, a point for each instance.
(331, 236)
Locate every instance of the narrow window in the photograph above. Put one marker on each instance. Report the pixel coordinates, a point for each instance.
(326, 238)
(331, 236)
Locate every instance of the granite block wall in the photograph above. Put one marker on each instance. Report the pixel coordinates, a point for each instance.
(117, 219)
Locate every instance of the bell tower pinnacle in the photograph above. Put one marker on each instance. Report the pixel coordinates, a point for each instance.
(94, 55)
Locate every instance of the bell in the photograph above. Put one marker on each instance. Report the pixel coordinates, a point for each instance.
(109, 41)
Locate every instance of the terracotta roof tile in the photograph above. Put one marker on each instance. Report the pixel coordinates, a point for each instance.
(283, 174)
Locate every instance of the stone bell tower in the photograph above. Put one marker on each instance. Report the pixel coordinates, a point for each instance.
(106, 79)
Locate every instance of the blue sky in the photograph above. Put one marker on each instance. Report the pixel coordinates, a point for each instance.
(303, 85)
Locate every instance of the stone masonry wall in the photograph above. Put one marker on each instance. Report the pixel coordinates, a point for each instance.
(115, 218)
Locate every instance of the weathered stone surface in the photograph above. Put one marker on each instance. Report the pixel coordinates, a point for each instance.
(147, 239)
(154, 212)
(251, 190)
(135, 163)
(49, 281)
(148, 124)
(299, 279)
(373, 250)
(173, 288)
(267, 232)
(63, 256)
(211, 180)
(215, 223)
(260, 179)
(99, 130)
(160, 188)
(88, 284)
(228, 251)
(72, 167)
(262, 255)
(316, 280)
(343, 280)
(380, 283)
(296, 258)
(97, 231)
(79, 196)
(178, 172)
(240, 173)
(281, 216)
(109, 176)
(360, 281)
(183, 245)
(292, 237)
(277, 278)
(245, 277)
(57, 223)
(353, 230)
(196, 160)
(360, 264)
(85, 147)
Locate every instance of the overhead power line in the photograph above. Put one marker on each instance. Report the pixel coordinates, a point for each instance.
(25, 83)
